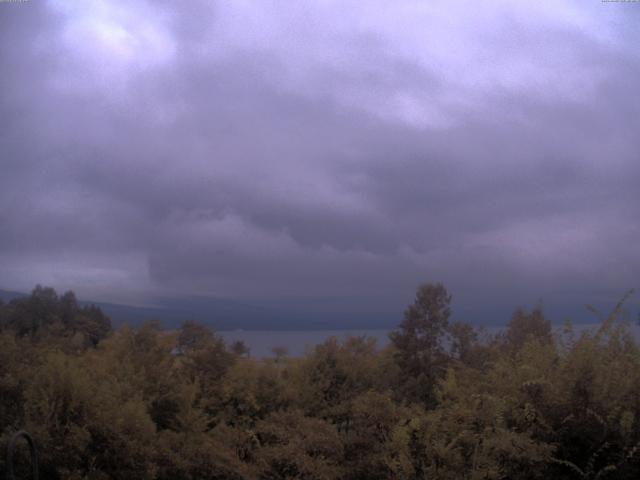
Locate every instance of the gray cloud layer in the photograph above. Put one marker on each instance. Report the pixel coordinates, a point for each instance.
(338, 149)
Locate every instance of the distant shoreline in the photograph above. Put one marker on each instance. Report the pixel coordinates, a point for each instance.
(297, 342)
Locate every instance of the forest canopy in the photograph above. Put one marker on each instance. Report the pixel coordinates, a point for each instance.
(443, 400)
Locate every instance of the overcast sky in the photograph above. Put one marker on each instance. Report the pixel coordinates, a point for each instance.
(329, 149)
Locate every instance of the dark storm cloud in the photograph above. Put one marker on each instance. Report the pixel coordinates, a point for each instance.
(340, 150)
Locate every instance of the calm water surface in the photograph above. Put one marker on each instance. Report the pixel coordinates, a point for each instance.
(297, 342)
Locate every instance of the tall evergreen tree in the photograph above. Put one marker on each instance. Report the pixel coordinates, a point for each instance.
(419, 342)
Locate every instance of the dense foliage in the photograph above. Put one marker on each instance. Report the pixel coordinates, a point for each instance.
(443, 401)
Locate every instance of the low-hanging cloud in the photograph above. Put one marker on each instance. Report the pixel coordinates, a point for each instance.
(338, 149)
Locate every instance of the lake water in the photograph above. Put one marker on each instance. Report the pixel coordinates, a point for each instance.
(297, 342)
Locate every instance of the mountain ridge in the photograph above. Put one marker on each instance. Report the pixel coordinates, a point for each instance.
(225, 314)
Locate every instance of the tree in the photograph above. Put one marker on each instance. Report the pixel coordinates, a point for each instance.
(204, 359)
(368, 441)
(463, 339)
(527, 326)
(297, 447)
(280, 353)
(27, 316)
(240, 349)
(194, 336)
(69, 309)
(419, 342)
(93, 324)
